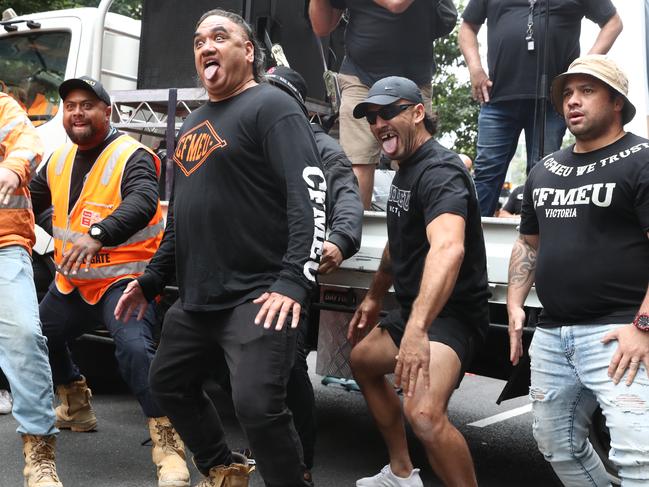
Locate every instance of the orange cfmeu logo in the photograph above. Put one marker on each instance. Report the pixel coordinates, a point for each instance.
(194, 147)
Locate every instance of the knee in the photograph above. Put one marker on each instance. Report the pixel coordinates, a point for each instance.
(255, 407)
(553, 444)
(26, 340)
(360, 361)
(426, 418)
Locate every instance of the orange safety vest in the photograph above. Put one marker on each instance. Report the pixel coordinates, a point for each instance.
(100, 196)
(42, 106)
(20, 151)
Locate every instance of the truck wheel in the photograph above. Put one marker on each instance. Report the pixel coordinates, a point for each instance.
(601, 441)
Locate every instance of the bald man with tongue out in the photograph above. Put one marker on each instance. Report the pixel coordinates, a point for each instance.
(435, 259)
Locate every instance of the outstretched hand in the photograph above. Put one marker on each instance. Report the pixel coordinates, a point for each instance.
(365, 317)
(82, 252)
(632, 351)
(274, 303)
(132, 300)
(414, 355)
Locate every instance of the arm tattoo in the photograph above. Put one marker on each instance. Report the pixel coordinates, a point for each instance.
(522, 265)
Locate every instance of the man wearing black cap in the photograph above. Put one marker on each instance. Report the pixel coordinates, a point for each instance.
(345, 225)
(106, 224)
(410, 26)
(435, 259)
(584, 241)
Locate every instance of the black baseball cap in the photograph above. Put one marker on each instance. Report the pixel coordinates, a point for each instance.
(84, 83)
(388, 90)
(289, 81)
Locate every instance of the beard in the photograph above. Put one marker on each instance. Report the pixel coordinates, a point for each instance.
(82, 135)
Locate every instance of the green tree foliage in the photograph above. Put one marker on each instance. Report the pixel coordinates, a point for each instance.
(130, 8)
(457, 112)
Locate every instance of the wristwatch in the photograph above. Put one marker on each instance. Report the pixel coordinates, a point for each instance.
(96, 232)
(641, 322)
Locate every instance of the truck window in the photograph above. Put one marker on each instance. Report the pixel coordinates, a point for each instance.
(32, 66)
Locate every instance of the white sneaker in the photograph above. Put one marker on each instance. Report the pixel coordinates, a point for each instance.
(6, 402)
(385, 478)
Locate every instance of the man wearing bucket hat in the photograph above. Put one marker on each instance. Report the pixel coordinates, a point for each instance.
(435, 258)
(584, 229)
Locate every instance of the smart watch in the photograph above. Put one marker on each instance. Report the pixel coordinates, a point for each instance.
(641, 322)
(96, 232)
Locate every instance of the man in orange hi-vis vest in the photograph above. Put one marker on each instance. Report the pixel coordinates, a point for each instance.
(23, 349)
(106, 224)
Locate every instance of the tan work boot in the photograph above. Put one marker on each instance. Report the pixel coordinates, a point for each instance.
(234, 475)
(168, 454)
(75, 412)
(40, 469)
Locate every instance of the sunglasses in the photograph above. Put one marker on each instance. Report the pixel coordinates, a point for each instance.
(387, 112)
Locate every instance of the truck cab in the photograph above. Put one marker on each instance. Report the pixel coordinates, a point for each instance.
(38, 51)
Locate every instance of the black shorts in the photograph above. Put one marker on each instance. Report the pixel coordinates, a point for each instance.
(462, 338)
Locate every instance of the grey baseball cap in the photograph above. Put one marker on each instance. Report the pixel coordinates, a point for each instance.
(388, 90)
(84, 83)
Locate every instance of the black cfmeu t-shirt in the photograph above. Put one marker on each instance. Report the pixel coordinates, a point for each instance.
(379, 43)
(247, 212)
(512, 68)
(434, 181)
(591, 211)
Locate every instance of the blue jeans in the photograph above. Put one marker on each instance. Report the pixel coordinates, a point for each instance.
(67, 316)
(499, 127)
(23, 348)
(569, 379)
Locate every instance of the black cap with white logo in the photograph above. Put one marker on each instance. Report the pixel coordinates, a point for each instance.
(84, 83)
(388, 90)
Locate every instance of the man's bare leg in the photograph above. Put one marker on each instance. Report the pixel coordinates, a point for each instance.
(365, 176)
(427, 413)
(371, 360)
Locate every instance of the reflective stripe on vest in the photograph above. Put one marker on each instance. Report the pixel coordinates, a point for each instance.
(139, 236)
(17, 202)
(27, 155)
(7, 129)
(109, 271)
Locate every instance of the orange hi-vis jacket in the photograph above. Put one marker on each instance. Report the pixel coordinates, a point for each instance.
(42, 106)
(100, 196)
(20, 151)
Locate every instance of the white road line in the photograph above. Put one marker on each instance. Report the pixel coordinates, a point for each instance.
(502, 416)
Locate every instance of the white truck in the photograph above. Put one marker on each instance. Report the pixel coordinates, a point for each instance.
(38, 51)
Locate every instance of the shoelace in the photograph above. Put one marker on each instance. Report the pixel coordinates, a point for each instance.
(42, 455)
(167, 436)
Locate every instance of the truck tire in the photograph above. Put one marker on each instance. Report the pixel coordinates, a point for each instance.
(600, 438)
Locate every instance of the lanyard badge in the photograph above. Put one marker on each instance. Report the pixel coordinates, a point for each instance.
(529, 35)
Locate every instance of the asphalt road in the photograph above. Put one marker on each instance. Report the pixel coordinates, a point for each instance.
(348, 445)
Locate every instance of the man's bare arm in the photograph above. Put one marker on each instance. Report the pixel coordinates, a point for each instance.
(383, 277)
(446, 237)
(368, 311)
(324, 18)
(443, 261)
(468, 42)
(607, 35)
(522, 270)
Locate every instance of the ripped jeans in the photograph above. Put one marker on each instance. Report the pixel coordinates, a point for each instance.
(569, 380)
